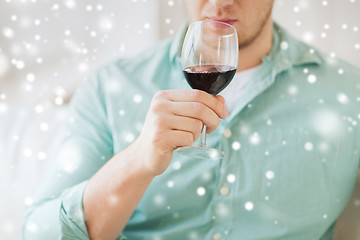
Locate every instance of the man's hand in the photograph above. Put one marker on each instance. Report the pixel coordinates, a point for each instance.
(175, 120)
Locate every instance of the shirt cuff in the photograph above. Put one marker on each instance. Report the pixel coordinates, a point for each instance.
(72, 219)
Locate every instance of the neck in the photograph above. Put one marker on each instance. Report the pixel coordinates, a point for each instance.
(251, 55)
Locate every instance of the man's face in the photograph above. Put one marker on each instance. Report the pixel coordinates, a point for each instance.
(247, 16)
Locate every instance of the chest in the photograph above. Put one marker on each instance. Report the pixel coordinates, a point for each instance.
(291, 165)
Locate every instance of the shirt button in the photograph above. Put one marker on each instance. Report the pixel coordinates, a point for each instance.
(227, 133)
(224, 190)
(216, 236)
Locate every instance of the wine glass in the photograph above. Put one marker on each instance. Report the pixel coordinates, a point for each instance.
(209, 60)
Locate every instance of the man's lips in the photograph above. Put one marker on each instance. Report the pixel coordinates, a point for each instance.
(224, 20)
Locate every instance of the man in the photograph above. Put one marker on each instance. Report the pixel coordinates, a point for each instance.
(291, 139)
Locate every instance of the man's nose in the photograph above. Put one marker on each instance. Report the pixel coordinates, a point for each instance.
(221, 3)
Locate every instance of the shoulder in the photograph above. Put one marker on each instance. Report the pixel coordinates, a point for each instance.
(327, 68)
(137, 63)
(130, 69)
(142, 72)
(329, 74)
(330, 65)
(303, 55)
(337, 72)
(342, 67)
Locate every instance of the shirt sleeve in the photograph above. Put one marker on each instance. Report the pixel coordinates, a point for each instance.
(57, 212)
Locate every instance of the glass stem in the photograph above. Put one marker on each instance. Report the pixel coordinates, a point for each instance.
(202, 142)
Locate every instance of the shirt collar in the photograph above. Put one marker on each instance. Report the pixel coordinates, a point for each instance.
(286, 51)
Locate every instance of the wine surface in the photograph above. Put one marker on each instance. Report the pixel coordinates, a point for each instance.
(209, 78)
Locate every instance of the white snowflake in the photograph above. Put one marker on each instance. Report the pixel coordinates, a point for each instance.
(106, 24)
(170, 184)
(8, 227)
(159, 199)
(20, 64)
(121, 112)
(323, 147)
(3, 108)
(177, 165)
(249, 206)
(236, 145)
(27, 152)
(293, 90)
(222, 210)
(28, 201)
(284, 45)
(44, 126)
(4, 64)
(193, 236)
(129, 137)
(32, 227)
(270, 174)
(342, 98)
(255, 139)
(207, 176)
(308, 37)
(83, 67)
(112, 200)
(308, 146)
(70, 158)
(71, 4)
(8, 32)
(311, 78)
(41, 155)
(137, 98)
(200, 191)
(231, 178)
(327, 123)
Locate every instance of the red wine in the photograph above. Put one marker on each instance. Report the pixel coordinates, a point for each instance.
(209, 78)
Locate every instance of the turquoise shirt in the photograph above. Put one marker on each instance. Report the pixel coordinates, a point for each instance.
(292, 145)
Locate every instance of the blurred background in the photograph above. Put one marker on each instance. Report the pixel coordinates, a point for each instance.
(48, 47)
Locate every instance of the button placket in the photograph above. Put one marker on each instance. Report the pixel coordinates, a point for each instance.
(223, 197)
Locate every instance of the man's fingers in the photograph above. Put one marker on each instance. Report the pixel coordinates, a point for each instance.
(220, 98)
(188, 124)
(180, 139)
(198, 111)
(197, 96)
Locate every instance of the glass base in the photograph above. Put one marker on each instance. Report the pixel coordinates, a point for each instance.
(202, 152)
